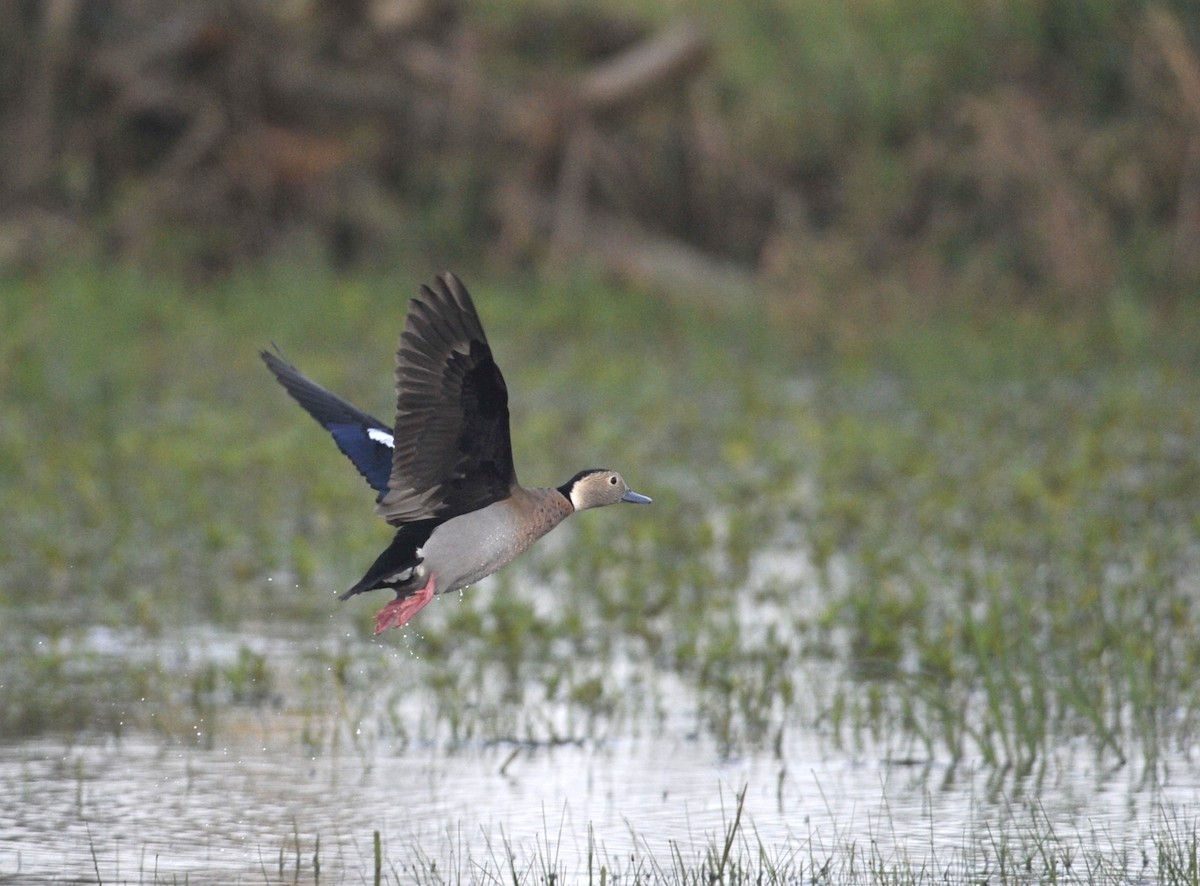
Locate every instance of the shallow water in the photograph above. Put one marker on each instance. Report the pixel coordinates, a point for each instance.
(252, 806)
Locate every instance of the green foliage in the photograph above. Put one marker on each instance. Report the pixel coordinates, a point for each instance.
(978, 529)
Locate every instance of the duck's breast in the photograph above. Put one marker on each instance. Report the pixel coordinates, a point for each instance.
(466, 548)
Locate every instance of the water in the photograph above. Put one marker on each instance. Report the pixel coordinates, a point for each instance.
(252, 806)
(135, 811)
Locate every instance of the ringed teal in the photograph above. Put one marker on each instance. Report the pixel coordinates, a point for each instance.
(444, 473)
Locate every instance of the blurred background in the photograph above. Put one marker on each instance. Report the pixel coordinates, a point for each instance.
(893, 308)
(938, 150)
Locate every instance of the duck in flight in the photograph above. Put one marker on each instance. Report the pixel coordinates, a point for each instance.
(444, 473)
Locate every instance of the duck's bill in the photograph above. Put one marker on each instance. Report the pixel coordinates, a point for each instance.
(636, 499)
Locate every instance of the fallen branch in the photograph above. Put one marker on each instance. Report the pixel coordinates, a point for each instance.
(629, 253)
(643, 71)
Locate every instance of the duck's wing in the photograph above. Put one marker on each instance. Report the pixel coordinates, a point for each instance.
(364, 439)
(453, 451)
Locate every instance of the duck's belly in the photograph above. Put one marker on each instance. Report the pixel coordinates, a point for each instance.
(465, 549)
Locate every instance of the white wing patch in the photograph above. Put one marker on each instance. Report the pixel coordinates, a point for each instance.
(382, 437)
(402, 576)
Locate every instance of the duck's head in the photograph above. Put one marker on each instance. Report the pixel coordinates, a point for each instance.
(597, 487)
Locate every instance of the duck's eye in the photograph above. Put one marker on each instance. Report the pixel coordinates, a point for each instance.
(612, 481)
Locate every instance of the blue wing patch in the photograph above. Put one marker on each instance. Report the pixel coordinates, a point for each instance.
(369, 448)
(364, 439)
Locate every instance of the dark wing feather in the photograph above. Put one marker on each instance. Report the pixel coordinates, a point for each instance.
(453, 452)
(394, 567)
(349, 426)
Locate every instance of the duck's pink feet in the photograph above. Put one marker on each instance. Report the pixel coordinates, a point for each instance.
(397, 613)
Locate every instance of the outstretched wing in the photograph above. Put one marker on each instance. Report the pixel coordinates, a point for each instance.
(453, 452)
(364, 439)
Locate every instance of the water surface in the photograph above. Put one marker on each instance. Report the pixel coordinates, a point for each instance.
(259, 802)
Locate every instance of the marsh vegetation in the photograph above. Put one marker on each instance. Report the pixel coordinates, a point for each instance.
(959, 554)
(892, 308)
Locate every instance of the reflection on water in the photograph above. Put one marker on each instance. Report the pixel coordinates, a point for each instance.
(252, 810)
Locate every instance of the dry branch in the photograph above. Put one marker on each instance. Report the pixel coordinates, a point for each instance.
(234, 123)
(630, 253)
(643, 71)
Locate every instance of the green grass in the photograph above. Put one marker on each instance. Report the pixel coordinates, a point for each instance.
(982, 524)
(900, 509)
